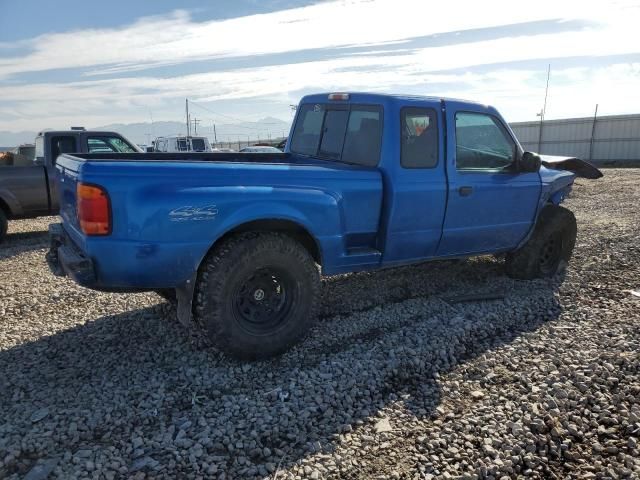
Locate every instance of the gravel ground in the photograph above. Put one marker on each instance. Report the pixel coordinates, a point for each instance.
(396, 381)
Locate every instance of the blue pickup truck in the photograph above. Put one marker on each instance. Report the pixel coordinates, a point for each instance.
(366, 182)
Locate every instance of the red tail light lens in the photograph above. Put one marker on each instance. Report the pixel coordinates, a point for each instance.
(94, 209)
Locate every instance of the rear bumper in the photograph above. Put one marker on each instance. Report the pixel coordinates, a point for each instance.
(130, 270)
(64, 258)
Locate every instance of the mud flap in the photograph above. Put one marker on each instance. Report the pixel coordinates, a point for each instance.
(184, 296)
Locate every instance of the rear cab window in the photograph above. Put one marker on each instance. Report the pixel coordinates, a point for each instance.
(347, 133)
(181, 144)
(198, 144)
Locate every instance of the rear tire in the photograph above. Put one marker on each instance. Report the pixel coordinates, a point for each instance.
(4, 225)
(257, 294)
(548, 249)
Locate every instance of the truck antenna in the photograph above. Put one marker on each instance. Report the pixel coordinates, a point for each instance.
(546, 92)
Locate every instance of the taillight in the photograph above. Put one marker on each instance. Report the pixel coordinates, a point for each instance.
(94, 209)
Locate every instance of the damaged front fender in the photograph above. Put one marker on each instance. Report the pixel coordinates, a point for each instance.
(580, 168)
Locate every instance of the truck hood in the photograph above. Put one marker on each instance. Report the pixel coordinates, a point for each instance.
(579, 167)
(558, 173)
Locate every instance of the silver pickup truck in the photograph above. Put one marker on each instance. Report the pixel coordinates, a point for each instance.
(30, 191)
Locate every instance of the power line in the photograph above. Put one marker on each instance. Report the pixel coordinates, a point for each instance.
(234, 118)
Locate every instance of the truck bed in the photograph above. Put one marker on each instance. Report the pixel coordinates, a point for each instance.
(168, 208)
(191, 157)
(262, 158)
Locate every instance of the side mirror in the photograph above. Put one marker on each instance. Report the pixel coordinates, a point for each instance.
(529, 162)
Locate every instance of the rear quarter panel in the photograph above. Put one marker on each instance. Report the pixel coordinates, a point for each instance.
(167, 215)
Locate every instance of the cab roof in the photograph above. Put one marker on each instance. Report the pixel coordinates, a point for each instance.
(77, 132)
(368, 97)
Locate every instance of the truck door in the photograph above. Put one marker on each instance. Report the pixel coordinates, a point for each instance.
(416, 197)
(490, 206)
(59, 144)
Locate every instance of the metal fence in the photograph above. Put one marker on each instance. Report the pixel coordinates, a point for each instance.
(613, 139)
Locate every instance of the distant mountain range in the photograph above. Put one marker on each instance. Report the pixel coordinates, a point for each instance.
(13, 139)
(143, 133)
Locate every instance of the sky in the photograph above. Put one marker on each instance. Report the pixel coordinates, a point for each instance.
(87, 63)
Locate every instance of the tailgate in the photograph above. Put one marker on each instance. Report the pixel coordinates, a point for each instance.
(68, 168)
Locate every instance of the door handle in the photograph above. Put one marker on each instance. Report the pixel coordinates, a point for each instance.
(465, 191)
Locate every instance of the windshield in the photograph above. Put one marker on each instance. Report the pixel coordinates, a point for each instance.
(28, 151)
(108, 144)
(343, 133)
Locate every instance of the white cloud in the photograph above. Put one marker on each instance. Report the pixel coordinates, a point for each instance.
(167, 40)
(179, 38)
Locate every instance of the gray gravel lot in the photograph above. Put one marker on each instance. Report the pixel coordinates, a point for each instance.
(396, 381)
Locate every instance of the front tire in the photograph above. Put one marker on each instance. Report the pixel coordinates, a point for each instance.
(257, 294)
(548, 249)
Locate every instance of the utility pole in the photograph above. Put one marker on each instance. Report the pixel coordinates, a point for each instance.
(215, 136)
(593, 133)
(188, 117)
(195, 125)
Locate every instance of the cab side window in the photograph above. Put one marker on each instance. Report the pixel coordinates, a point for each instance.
(364, 136)
(60, 145)
(419, 143)
(482, 143)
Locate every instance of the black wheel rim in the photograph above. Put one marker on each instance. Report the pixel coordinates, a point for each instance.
(263, 300)
(551, 254)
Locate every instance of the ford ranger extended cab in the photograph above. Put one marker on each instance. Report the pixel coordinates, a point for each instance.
(366, 181)
(30, 191)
